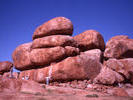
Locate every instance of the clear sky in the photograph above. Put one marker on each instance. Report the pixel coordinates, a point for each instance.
(19, 19)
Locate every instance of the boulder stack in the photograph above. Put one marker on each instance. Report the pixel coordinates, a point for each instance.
(51, 44)
(54, 53)
(54, 46)
(118, 66)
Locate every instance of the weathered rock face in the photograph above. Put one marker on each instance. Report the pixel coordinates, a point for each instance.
(7, 84)
(90, 39)
(122, 66)
(119, 47)
(108, 77)
(71, 51)
(5, 66)
(55, 26)
(21, 56)
(45, 56)
(53, 41)
(79, 67)
(16, 85)
(95, 53)
(26, 58)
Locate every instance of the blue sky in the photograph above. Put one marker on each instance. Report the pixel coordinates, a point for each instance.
(19, 19)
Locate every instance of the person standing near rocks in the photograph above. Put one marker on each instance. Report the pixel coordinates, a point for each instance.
(49, 73)
(11, 72)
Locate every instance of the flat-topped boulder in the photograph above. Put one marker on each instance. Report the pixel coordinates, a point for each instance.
(90, 39)
(5, 66)
(55, 26)
(119, 47)
(53, 41)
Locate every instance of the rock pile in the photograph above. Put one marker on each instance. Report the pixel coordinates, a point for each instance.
(55, 53)
(53, 46)
(119, 65)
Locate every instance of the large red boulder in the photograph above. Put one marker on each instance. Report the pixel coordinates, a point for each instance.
(122, 66)
(5, 66)
(108, 76)
(55, 26)
(53, 41)
(90, 39)
(45, 56)
(79, 67)
(82, 66)
(119, 47)
(21, 56)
